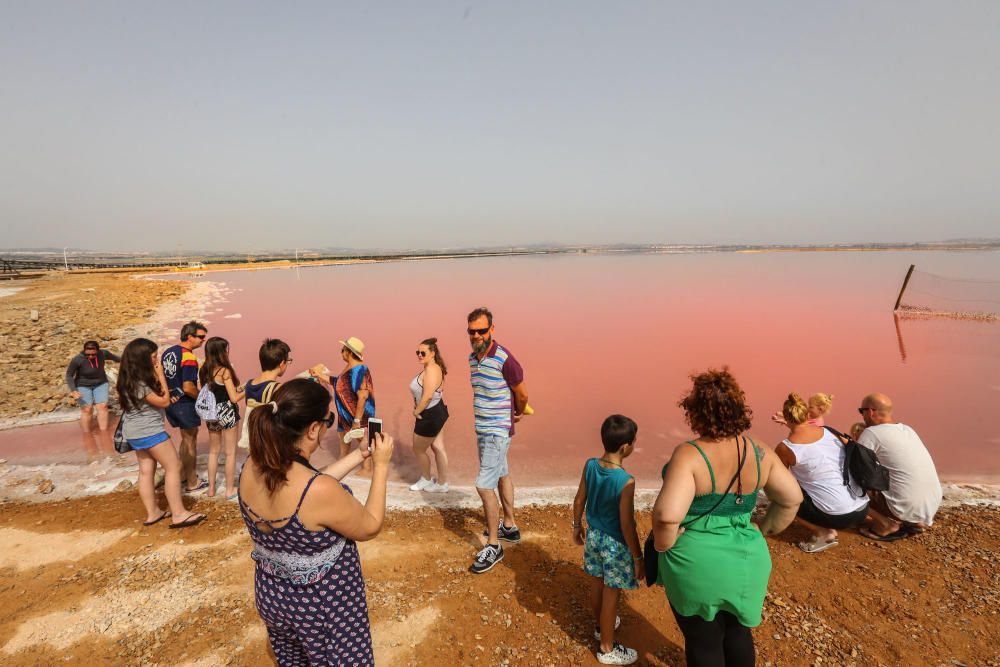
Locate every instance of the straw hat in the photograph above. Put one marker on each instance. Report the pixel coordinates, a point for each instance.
(356, 346)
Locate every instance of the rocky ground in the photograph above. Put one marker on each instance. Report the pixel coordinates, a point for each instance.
(81, 581)
(45, 324)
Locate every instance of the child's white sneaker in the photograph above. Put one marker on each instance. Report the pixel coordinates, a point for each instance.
(618, 655)
(421, 485)
(438, 488)
(597, 628)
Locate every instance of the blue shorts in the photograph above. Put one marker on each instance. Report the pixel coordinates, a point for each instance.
(182, 415)
(149, 441)
(492, 460)
(93, 395)
(608, 557)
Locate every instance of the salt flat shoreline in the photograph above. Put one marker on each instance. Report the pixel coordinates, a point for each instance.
(65, 481)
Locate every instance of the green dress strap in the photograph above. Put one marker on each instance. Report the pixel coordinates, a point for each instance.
(757, 456)
(710, 471)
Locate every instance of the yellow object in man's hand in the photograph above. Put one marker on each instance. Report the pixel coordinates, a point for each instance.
(528, 410)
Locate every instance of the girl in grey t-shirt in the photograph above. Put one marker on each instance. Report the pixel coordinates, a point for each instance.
(142, 391)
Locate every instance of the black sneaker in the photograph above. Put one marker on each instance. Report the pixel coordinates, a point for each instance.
(506, 534)
(486, 559)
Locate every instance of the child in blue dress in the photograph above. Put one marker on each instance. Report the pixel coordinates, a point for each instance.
(612, 555)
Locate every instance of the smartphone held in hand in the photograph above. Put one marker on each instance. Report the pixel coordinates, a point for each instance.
(374, 426)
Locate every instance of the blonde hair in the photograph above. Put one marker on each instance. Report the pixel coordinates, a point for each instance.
(823, 402)
(795, 410)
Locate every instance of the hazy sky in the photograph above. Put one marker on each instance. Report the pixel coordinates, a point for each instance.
(238, 125)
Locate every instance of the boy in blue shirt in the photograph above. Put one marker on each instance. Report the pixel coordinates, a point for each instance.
(612, 554)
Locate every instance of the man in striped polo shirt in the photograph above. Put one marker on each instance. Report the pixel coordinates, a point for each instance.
(498, 401)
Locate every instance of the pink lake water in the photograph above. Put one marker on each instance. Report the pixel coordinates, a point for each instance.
(600, 334)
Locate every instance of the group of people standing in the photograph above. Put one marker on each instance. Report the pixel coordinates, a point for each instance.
(705, 548)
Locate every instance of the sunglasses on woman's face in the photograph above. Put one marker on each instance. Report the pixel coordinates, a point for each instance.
(421, 354)
(330, 420)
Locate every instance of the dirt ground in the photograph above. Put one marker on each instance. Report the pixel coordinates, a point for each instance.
(82, 582)
(71, 308)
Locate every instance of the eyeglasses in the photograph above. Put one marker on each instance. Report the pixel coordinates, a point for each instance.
(330, 420)
(421, 354)
(201, 336)
(481, 332)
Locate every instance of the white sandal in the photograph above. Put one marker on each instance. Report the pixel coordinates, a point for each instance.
(815, 545)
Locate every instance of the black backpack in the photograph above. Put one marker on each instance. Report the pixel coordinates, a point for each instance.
(861, 464)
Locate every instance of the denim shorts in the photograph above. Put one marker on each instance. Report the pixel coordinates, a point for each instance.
(182, 415)
(93, 395)
(149, 441)
(492, 460)
(608, 557)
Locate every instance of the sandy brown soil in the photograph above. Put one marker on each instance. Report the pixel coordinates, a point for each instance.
(71, 309)
(82, 582)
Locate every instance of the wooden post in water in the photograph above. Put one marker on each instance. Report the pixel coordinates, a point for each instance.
(902, 289)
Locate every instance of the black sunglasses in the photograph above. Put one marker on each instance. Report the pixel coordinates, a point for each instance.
(481, 332)
(421, 353)
(330, 420)
(201, 336)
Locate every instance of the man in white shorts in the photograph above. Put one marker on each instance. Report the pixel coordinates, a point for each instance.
(499, 400)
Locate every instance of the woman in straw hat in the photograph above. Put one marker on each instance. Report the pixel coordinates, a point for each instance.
(353, 393)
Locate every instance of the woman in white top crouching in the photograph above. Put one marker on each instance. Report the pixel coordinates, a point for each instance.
(815, 458)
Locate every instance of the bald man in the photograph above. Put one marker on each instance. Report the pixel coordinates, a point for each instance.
(914, 493)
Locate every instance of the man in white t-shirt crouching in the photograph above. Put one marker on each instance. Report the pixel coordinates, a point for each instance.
(914, 493)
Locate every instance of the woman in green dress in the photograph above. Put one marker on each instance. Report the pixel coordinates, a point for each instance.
(714, 563)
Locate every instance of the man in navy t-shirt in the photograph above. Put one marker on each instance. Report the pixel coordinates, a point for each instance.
(180, 367)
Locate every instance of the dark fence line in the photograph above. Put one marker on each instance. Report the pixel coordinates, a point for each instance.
(14, 265)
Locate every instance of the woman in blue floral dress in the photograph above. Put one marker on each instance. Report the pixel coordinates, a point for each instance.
(304, 523)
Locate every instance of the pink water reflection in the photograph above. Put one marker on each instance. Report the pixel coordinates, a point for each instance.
(602, 334)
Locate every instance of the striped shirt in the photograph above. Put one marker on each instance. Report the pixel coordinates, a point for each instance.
(492, 399)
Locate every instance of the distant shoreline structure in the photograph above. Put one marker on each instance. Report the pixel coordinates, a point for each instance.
(35, 260)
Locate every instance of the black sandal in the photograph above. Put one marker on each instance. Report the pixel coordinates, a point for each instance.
(192, 520)
(157, 519)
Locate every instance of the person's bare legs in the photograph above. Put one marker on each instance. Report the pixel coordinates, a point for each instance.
(420, 445)
(882, 525)
(86, 430)
(165, 454)
(348, 447)
(214, 446)
(492, 510)
(506, 488)
(882, 521)
(106, 443)
(366, 465)
(189, 456)
(609, 609)
(86, 418)
(819, 532)
(102, 416)
(229, 438)
(147, 493)
(596, 598)
(440, 458)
